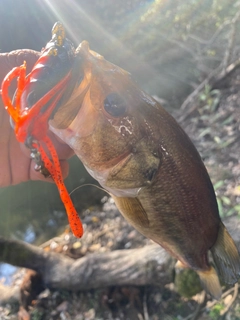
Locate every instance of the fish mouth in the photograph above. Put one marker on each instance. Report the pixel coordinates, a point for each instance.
(66, 113)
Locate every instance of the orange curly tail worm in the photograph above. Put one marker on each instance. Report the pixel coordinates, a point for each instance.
(33, 123)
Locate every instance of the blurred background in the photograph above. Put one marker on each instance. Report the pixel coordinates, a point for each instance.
(168, 46)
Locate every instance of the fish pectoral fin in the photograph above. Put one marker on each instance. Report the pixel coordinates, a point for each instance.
(133, 211)
(210, 282)
(226, 256)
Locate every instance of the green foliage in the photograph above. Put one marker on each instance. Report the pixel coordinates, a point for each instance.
(225, 205)
(187, 283)
(37, 315)
(234, 209)
(210, 98)
(216, 311)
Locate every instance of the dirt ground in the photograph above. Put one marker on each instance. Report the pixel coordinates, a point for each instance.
(213, 123)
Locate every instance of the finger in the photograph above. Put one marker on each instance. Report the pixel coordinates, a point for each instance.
(15, 58)
(30, 173)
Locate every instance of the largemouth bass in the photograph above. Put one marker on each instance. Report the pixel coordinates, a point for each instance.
(143, 158)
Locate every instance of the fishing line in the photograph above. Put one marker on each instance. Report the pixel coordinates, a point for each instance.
(91, 185)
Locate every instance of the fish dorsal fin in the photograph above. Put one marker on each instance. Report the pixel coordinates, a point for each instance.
(133, 211)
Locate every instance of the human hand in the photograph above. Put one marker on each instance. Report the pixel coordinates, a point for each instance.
(15, 163)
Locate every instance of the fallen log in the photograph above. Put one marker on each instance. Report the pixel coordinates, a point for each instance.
(150, 265)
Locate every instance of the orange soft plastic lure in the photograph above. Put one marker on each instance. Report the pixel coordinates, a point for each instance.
(36, 97)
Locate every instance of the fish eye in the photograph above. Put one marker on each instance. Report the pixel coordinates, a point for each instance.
(114, 105)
